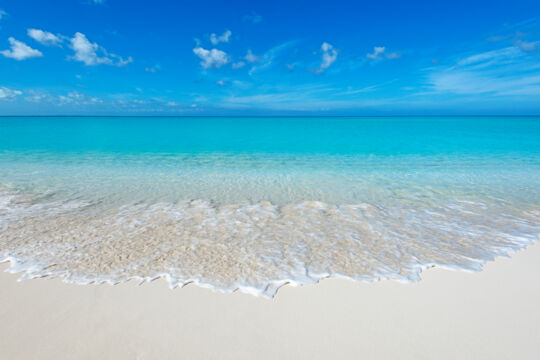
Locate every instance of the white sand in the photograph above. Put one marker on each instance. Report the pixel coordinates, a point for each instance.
(494, 314)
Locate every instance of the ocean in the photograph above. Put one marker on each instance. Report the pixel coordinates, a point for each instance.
(253, 203)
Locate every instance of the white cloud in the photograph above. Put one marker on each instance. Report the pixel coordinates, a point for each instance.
(87, 52)
(2, 14)
(153, 69)
(329, 56)
(211, 58)
(527, 46)
(505, 71)
(120, 61)
(238, 65)
(251, 57)
(76, 98)
(224, 38)
(379, 52)
(75, 101)
(393, 55)
(490, 57)
(307, 97)
(8, 94)
(38, 96)
(20, 51)
(269, 58)
(44, 37)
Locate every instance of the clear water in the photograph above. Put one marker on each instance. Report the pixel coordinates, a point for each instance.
(254, 203)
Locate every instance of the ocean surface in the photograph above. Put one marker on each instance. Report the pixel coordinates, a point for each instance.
(251, 204)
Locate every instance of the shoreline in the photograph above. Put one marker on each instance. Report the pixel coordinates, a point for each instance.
(491, 314)
(9, 265)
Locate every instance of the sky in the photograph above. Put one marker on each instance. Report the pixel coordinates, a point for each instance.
(295, 57)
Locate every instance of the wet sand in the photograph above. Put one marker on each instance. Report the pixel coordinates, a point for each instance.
(493, 314)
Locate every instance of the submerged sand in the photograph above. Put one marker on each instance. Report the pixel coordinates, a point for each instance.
(493, 314)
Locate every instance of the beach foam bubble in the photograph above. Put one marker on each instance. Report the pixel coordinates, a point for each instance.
(254, 247)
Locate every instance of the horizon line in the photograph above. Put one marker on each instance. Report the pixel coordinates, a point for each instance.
(276, 116)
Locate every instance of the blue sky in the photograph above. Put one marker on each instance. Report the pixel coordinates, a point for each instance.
(265, 58)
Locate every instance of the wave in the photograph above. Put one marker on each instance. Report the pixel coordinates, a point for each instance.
(254, 247)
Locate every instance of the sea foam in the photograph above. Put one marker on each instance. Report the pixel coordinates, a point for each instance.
(254, 247)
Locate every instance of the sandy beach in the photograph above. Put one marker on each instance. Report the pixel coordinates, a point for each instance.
(251, 180)
(493, 314)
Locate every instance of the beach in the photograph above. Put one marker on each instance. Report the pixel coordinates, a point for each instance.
(253, 219)
(492, 314)
(253, 180)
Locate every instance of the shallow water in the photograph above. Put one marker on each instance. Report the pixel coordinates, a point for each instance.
(253, 203)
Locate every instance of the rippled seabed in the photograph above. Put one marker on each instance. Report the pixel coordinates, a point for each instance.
(229, 213)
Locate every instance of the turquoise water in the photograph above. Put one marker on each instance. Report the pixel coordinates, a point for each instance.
(382, 136)
(253, 203)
